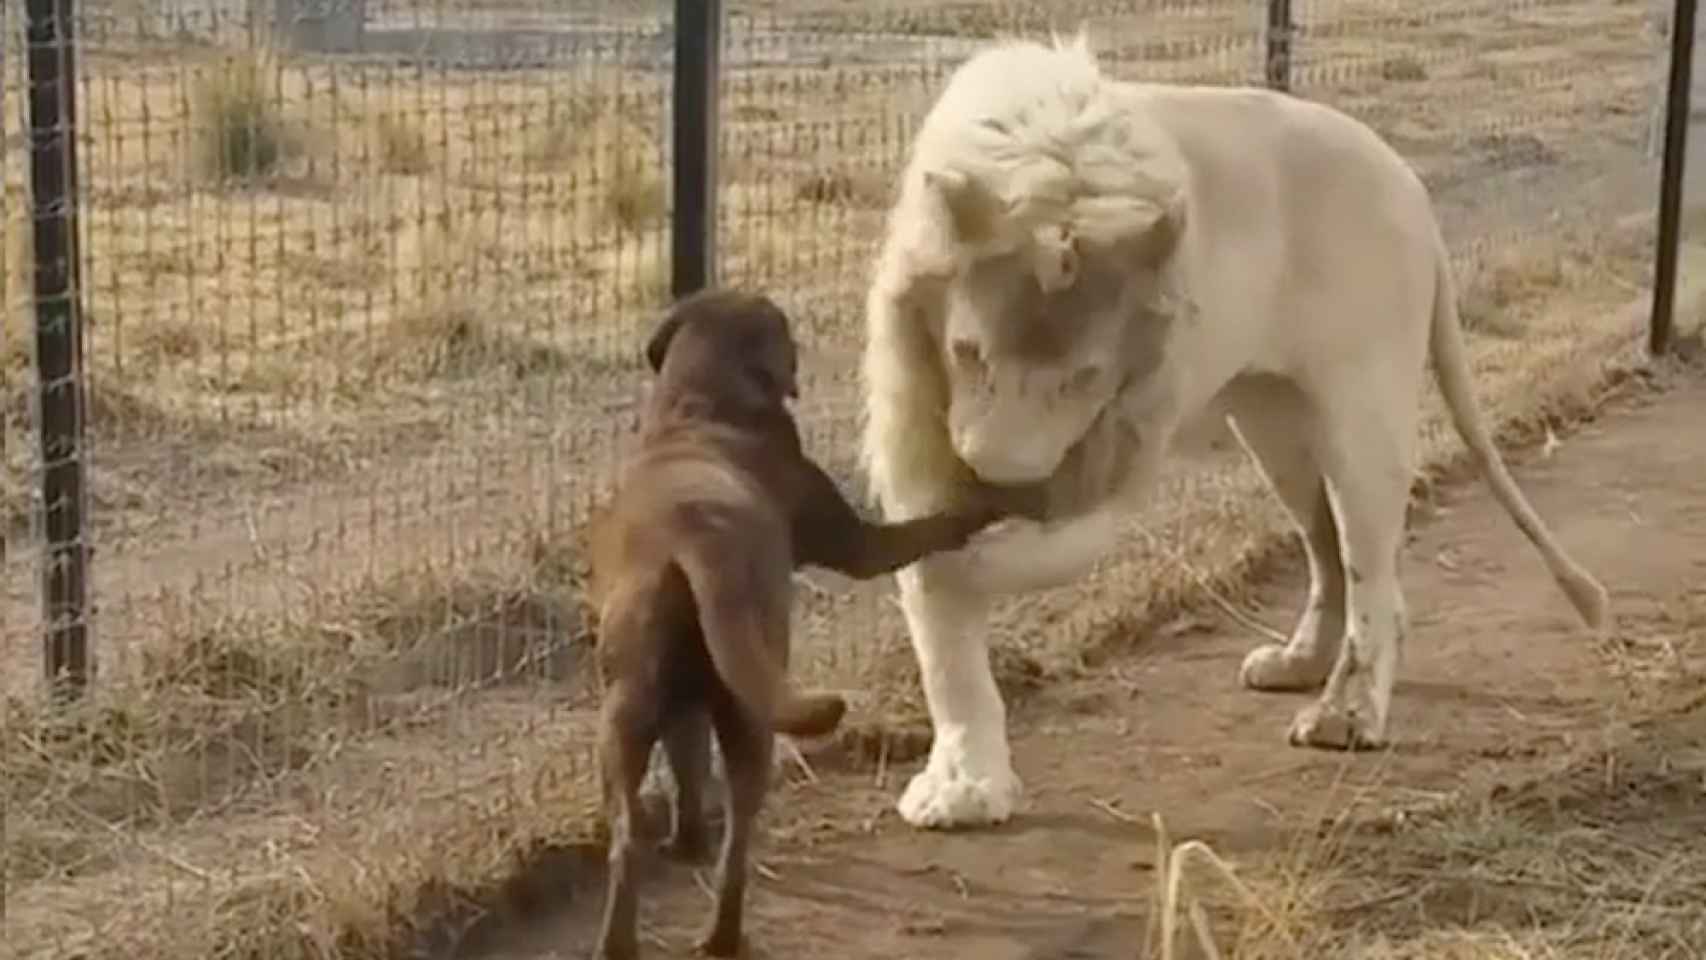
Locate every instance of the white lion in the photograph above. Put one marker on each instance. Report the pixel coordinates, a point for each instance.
(1081, 275)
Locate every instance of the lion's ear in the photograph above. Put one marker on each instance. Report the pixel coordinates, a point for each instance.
(1166, 225)
(972, 210)
(944, 216)
(1147, 230)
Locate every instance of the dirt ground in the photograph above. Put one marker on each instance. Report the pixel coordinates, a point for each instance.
(1500, 689)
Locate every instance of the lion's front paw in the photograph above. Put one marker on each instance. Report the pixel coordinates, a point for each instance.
(1008, 529)
(990, 547)
(1338, 726)
(1273, 666)
(944, 796)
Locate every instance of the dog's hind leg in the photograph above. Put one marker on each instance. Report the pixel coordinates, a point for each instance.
(743, 614)
(747, 744)
(624, 743)
(687, 743)
(627, 731)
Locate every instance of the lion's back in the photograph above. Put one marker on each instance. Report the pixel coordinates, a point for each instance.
(1322, 216)
(1259, 154)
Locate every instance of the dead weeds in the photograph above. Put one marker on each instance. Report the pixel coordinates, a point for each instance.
(611, 156)
(1602, 857)
(400, 145)
(243, 132)
(250, 723)
(109, 793)
(359, 781)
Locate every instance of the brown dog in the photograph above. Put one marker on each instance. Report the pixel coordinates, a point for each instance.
(692, 568)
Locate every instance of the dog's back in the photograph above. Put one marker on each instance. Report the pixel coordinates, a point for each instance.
(694, 562)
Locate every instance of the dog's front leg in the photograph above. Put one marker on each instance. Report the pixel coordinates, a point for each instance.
(969, 778)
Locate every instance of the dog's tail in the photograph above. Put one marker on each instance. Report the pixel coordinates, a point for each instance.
(744, 620)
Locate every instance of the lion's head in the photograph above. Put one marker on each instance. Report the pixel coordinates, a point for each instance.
(1024, 277)
(1039, 333)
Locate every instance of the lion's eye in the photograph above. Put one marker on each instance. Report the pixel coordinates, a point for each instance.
(966, 354)
(1085, 377)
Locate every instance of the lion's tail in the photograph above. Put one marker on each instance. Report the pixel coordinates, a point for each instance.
(1451, 366)
(744, 620)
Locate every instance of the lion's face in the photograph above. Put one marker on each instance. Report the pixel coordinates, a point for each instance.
(1033, 355)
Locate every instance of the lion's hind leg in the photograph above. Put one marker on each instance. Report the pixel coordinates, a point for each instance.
(1366, 454)
(1280, 434)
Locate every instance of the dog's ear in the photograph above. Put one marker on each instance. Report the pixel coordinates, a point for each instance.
(784, 371)
(657, 346)
(777, 356)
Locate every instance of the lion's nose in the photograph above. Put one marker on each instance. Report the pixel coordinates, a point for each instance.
(999, 453)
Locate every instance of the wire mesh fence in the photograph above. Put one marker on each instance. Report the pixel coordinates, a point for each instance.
(364, 287)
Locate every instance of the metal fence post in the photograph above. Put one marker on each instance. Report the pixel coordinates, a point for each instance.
(59, 341)
(693, 219)
(1670, 178)
(1280, 30)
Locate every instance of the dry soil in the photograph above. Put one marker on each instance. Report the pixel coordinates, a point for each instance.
(1501, 686)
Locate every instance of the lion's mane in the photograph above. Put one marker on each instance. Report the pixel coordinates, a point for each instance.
(1025, 139)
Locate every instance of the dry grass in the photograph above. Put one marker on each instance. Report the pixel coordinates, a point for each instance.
(242, 131)
(288, 735)
(17, 355)
(1597, 854)
(375, 235)
(615, 156)
(16, 282)
(1599, 857)
(1498, 291)
(319, 779)
(401, 145)
(275, 730)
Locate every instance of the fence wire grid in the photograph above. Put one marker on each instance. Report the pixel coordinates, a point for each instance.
(364, 285)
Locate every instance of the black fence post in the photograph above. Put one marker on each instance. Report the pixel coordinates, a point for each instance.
(59, 341)
(1279, 45)
(1671, 175)
(693, 219)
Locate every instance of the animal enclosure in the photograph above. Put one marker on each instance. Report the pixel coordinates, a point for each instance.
(363, 287)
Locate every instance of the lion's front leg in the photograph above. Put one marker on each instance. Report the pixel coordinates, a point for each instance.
(969, 779)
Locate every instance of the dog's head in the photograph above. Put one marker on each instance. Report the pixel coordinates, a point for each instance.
(737, 341)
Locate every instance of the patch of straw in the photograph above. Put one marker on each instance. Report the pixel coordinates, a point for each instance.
(242, 133)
